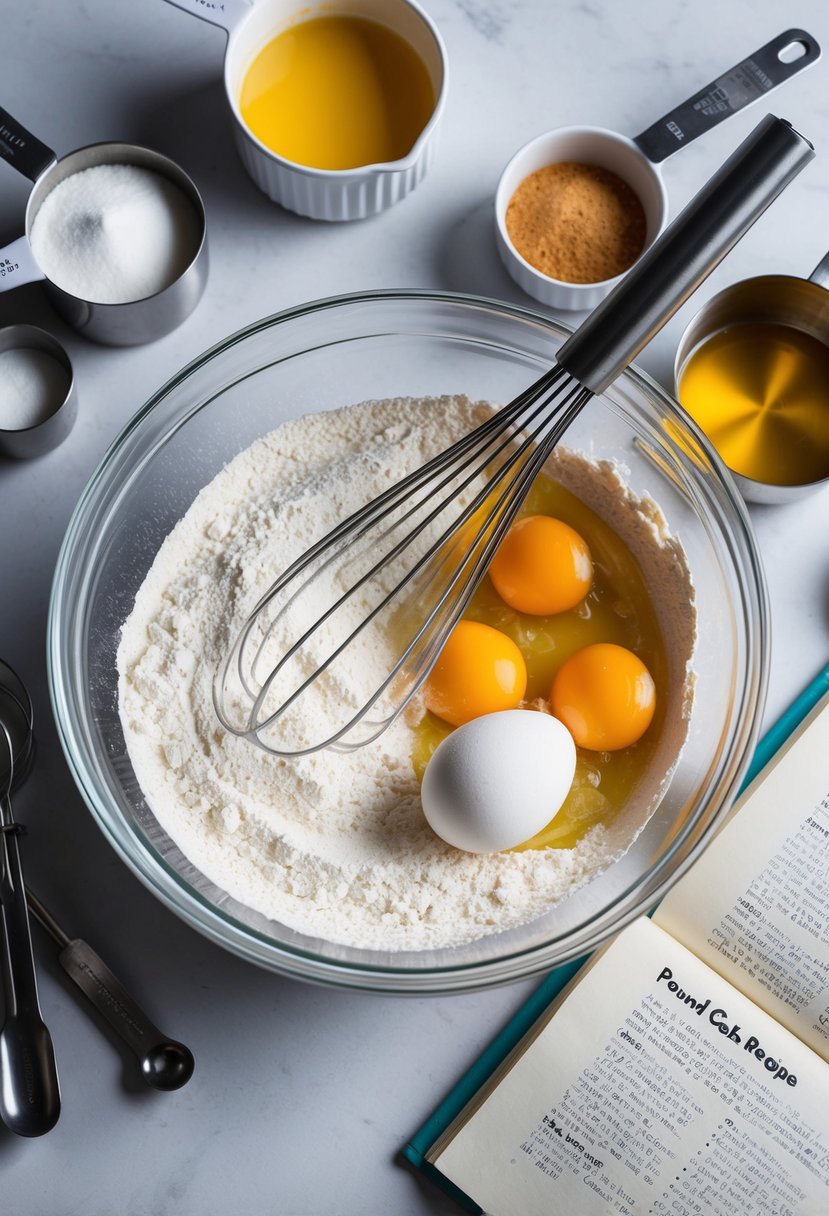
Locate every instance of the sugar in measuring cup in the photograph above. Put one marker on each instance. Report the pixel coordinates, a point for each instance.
(117, 233)
(752, 370)
(625, 172)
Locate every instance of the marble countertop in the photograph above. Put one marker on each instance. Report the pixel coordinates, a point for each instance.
(303, 1096)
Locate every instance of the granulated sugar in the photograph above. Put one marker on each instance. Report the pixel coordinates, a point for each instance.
(113, 234)
(332, 845)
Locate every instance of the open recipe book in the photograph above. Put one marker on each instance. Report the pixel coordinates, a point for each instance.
(685, 1069)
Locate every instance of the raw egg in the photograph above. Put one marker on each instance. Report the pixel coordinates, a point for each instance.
(497, 781)
(542, 566)
(605, 696)
(479, 671)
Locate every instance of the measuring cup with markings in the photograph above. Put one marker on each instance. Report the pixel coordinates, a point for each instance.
(118, 324)
(752, 369)
(637, 161)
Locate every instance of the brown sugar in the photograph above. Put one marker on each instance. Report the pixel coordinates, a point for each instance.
(577, 223)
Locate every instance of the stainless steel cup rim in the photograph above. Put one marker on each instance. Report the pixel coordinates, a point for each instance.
(125, 323)
(114, 152)
(23, 443)
(32, 337)
(812, 287)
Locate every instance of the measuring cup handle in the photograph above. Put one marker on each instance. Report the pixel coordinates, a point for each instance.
(735, 89)
(21, 149)
(225, 13)
(820, 274)
(18, 265)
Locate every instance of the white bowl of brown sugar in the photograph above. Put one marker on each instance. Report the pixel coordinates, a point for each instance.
(574, 209)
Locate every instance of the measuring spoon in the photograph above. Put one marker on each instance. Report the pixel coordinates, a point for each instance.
(127, 324)
(29, 1086)
(638, 161)
(165, 1063)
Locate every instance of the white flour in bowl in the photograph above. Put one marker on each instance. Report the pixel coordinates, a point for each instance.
(335, 845)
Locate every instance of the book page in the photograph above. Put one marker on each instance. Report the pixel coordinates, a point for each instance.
(755, 907)
(655, 1088)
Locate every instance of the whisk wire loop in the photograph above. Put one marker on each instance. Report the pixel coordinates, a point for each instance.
(355, 527)
(483, 457)
(521, 437)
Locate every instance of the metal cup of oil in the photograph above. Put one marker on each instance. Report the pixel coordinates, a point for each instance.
(752, 370)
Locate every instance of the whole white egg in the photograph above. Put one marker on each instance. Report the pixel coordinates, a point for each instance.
(496, 781)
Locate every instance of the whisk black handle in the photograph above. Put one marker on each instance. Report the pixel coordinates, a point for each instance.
(685, 253)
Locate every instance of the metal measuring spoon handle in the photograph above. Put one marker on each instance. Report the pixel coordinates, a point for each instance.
(29, 1088)
(740, 86)
(165, 1063)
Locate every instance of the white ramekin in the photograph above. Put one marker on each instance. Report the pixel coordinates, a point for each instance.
(585, 145)
(637, 161)
(325, 194)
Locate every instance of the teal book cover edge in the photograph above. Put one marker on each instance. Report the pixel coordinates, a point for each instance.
(418, 1146)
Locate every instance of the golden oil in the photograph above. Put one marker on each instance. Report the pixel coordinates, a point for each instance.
(337, 92)
(760, 392)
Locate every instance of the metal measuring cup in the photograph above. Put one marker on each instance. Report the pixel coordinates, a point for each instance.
(127, 324)
(638, 161)
(778, 299)
(21, 443)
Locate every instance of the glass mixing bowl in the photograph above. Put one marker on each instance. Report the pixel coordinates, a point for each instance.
(337, 352)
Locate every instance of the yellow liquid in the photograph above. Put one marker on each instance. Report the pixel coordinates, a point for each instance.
(337, 93)
(616, 609)
(761, 394)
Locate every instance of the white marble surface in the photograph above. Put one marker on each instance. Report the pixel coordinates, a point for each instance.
(302, 1096)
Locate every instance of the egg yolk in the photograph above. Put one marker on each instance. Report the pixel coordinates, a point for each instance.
(542, 566)
(605, 696)
(480, 670)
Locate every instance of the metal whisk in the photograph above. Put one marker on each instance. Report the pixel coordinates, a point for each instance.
(382, 591)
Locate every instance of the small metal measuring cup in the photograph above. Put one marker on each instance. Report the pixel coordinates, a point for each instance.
(127, 324)
(777, 299)
(638, 161)
(21, 443)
